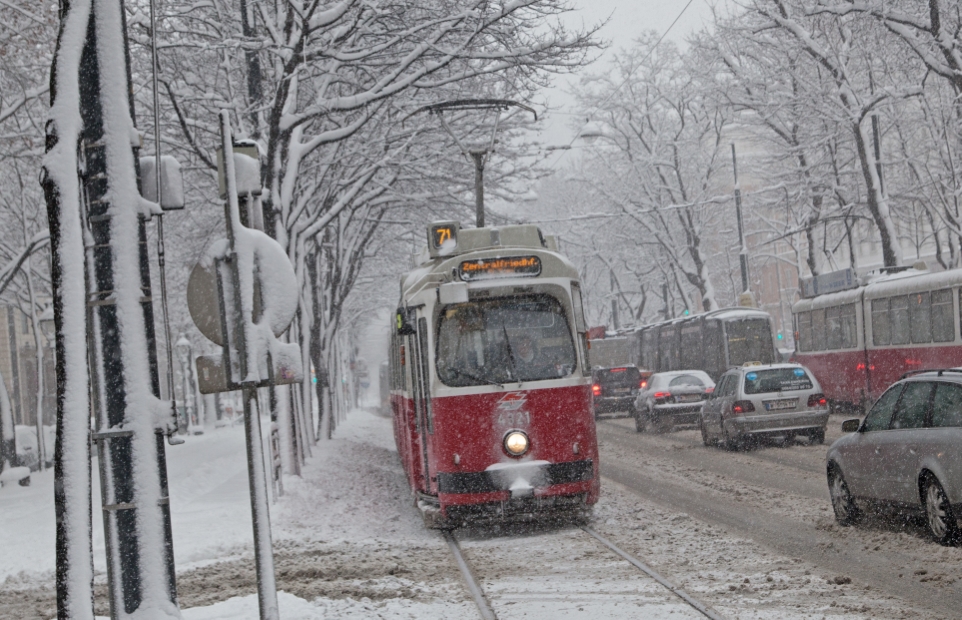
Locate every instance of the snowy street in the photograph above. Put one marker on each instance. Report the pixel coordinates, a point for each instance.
(350, 544)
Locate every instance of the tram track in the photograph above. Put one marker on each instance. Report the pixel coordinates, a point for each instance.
(487, 610)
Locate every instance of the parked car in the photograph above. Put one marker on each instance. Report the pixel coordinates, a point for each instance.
(613, 390)
(758, 400)
(906, 453)
(669, 399)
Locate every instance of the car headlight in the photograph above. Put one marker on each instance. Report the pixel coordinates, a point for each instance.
(515, 443)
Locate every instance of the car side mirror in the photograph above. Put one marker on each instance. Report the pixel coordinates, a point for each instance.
(851, 426)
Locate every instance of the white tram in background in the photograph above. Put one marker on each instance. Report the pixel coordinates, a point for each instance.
(712, 342)
(490, 382)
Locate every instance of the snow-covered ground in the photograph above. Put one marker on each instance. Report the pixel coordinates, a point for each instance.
(350, 544)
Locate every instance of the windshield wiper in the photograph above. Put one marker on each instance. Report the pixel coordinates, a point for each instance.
(462, 373)
(514, 371)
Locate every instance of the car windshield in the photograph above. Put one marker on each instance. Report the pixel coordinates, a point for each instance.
(686, 380)
(504, 340)
(777, 380)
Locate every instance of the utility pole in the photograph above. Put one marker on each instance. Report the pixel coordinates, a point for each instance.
(477, 155)
(743, 250)
(614, 301)
(140, 559)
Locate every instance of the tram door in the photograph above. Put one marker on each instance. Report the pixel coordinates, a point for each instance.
(422, 396)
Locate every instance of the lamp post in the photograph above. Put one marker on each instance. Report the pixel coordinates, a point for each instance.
(185, 354)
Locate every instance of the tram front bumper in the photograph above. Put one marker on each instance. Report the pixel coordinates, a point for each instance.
(521, 478)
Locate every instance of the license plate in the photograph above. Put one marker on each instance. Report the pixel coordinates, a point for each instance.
(687, 398)
(623, 390)
(776, 405)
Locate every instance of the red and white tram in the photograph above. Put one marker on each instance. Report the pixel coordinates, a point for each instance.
(859, 341)
(490, 382)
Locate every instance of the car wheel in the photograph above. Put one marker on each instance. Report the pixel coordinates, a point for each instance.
(938, 512)
(846, 510)
(817, 437)
(732, 443)
(705, 439)
(640, 424)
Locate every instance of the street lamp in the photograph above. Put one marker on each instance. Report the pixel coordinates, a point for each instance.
(184, 354)
(591, 132)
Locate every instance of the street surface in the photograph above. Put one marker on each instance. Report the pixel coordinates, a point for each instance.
(750, 533)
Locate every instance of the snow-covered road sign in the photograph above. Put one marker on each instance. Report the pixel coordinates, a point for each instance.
(271, 302)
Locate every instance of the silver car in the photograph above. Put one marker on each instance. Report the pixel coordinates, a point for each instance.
(757, 400)
(669, 399)
(907, 452)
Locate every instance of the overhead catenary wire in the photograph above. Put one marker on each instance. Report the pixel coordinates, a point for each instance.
(622, 84)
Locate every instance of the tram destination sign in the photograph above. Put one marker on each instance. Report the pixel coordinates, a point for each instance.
(825, 283)
(507, 267)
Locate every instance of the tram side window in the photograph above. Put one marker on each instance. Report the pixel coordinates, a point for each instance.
(804, 328)
(818, 329)
(899, 319)
(920, 317)
(649, 349)
(849, 326)
(714, 348)
(581, 326)
(672, 348)
(692, 346)
(425, 372)
(943, 328)
(833, 328)
(881, 325)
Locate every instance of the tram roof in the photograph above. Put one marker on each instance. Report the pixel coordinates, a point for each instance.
(885, 285)
(722, 314)
(488, 243)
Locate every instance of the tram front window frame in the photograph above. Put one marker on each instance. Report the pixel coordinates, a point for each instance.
(485, 338)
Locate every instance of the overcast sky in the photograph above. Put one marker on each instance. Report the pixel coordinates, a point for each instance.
(628, 18)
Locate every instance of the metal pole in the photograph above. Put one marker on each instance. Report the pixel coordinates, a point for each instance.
(158, 188)
(257, 479)
(614, 301)
(743, 251)
(478, 157)
(122, 499)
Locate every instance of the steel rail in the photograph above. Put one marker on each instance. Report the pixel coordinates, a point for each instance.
(696, 604)
(484, 607)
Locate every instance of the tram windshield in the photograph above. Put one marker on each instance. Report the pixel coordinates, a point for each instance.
(749, 340)
(504, 340)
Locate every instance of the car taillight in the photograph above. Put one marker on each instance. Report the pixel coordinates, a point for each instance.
(817, 400)
(742, 406)
(642, 384)
(661, 396)
(709, 390)
(596, 389)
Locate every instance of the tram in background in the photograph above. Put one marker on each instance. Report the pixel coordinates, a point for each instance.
(859, 341)
(712, 342)
(490, 383)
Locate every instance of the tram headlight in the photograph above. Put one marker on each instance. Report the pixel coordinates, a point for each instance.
(515, 443)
